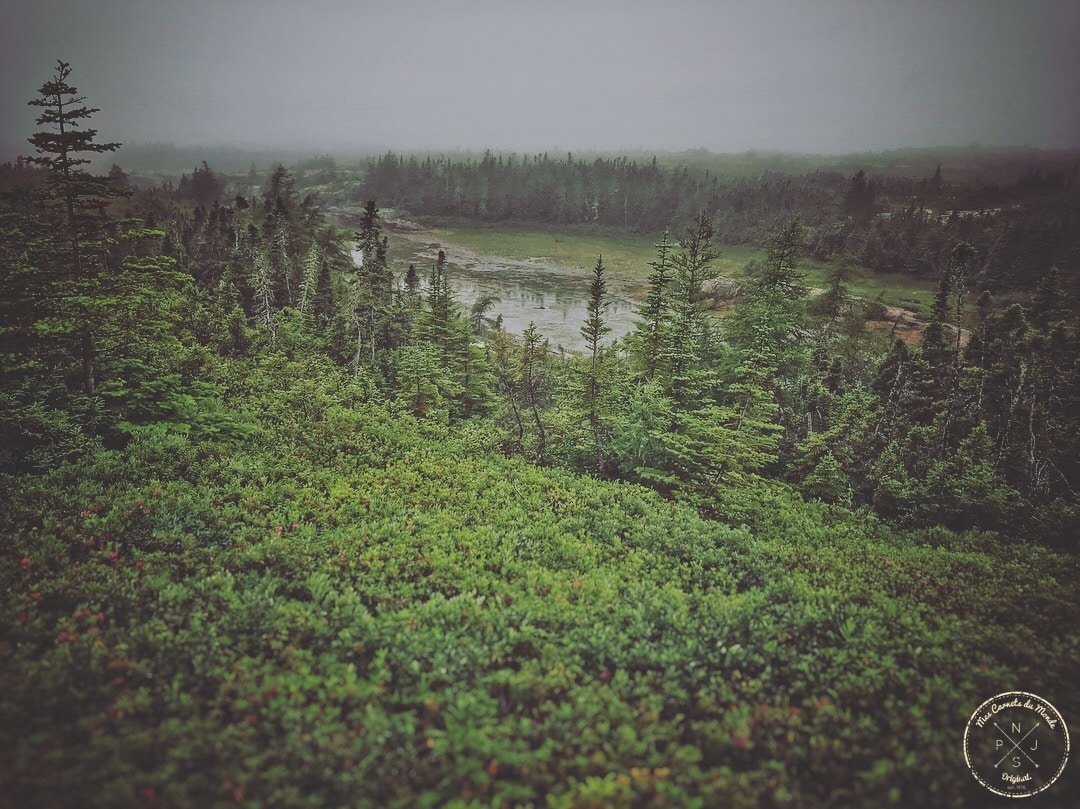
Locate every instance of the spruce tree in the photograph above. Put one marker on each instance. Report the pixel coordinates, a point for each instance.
(594, 330)
(652, 331)
(374, 288)
(693, 260)
(687, 357)
(533, 383)
(60, 151)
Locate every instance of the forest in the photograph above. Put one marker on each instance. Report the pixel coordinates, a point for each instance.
(288, 528)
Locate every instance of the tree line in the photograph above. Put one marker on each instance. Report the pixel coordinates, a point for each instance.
(887, 223)
(120, 309)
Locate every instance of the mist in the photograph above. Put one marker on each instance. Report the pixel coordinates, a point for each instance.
(824, 77)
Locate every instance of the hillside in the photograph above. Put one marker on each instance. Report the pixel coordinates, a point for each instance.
(290, 524)
(356, 608)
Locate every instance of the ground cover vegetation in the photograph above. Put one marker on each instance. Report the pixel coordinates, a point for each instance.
(282, 530)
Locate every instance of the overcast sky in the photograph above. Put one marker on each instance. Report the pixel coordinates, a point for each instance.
(795, 75)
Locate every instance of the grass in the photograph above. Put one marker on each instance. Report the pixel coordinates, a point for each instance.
(625, 256)
(628, 257)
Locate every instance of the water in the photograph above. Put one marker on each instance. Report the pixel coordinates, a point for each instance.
(552, 296)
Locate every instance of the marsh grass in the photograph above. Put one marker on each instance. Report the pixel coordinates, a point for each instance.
(627, 257)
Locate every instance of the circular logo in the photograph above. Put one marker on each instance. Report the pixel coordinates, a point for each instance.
(1016, 744)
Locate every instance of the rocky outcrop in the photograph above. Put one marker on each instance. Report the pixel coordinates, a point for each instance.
(720, 291)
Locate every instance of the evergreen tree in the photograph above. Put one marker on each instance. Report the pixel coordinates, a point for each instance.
(689, 358)
(374, 288)
(309, 281)
(768, 332)
(651, 333)
(532, 380)
(1049, 304)
(778, 277)
(412, 287)
(767, 318)
(440, 310)
(422, 381)
(835, 301)
(81, 196)
(692, 261)
(478, 317)
(939, 384)
(511, 422)
(594, 330)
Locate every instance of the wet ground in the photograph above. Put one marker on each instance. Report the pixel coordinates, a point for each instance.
(552, 296)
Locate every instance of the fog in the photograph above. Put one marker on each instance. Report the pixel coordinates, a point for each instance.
(352, 75)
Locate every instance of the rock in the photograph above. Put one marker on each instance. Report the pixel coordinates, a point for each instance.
(720, 290)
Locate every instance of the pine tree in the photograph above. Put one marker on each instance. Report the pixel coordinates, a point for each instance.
(652, 331)
(836, 299)
(500, 354)
(1049, 305)
(441, 309)
(939, 386)
(594, 330)
(692, 261)
(263, 288)
(778, 277)
(688, 357)
(309, 280)
(374, 287)
(533, 383)
(767, 330)
(412, 287)
(59, 150)
(478, 313)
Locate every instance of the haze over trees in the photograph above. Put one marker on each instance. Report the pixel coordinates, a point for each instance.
(285, 528)
(1021, 219)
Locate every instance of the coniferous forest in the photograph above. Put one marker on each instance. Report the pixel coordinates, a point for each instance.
(285, 528)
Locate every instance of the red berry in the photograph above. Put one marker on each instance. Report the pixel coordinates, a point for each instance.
(139, 563)
(36, 596)
(113, 554)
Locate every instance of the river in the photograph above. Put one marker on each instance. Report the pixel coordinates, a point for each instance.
(552, 296)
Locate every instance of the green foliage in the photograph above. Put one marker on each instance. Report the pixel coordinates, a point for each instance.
(350, 610)
(651, 335)
(305, 542)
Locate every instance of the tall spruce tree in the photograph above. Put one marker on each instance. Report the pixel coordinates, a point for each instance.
(60, 150)
(375, 284)
(533, 383)
(652, 331)
(687, 359)
(594, 330)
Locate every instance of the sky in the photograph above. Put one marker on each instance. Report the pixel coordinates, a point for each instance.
(810, 76)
